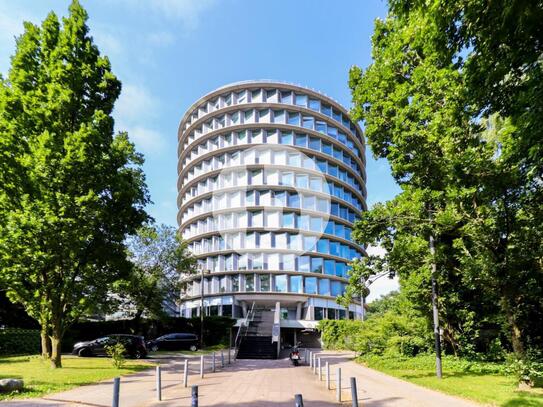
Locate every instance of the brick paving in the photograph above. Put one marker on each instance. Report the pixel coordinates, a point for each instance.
(266, 383)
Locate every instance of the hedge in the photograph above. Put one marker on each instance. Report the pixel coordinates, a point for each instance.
(15, 341)
(340, 334)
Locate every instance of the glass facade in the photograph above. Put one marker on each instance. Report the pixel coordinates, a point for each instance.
(268, 195)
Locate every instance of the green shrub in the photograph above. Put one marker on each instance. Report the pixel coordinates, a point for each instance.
(116, 353)
(388, 333)
(15, 341)
(527, 370)
(340, 334)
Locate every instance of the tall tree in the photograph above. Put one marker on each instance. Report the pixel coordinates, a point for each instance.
(70, 190)
(160, 259)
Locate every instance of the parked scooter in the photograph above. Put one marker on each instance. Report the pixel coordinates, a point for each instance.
(295, 354)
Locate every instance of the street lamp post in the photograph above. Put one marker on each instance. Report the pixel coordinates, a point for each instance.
(202, 308)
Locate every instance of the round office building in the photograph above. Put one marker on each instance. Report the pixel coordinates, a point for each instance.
(271, 180)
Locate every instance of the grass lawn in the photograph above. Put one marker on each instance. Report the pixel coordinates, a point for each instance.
(40, 379)
(481, 382)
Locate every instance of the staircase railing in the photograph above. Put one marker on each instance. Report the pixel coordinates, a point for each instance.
(243, 328)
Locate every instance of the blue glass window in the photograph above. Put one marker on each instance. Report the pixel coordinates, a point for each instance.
(316, 224)
(330, 267)
(294, 159)
(335, 209)
(332, 170)
(308, 122)
(286, 97)
(311, 285)
(334, 248)
(336, 115)
(327, 110)
(294, 200)
(320, 126)
(329, 228)
(324, 286)
(315, 143)
(294, 118)
(327, 148)
(289, 220)
(336, 288)
(286, 138)
(323, 165)
(304, 264)
(332, 131)
(338, 154)
(322, 246)
(342, 138)
(302, 181)
(341, 270)
(280, 283)
(287, 178)
(296, 284)
(315, 104)
(317, 265)
(304, 222)
(279, 116)
(301, 100)
(301, 140)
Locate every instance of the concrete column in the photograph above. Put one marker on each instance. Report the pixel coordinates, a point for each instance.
(277, 326)
(243, 308)
(299, 311)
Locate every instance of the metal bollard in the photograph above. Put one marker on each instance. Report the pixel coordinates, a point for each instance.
(202, 366)
(327, 376)
(194, 398)
(305, 356)
(338, 384)
(229, 351)
(213, 363)
(314, 363)
(354, 393)
(222, 358)
(158, 383)
(186, 373)
(116, 389)
(320, 369)
(298, 400)
(310, 359)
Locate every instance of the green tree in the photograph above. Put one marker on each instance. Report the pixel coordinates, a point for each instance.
(70, 190)
(160, 259)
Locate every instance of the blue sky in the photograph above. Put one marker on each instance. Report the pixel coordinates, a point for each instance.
(168, 53)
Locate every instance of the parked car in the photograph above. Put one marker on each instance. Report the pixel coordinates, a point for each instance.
(134, 345)
(175, 341)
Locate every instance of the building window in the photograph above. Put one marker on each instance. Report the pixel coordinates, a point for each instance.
(336, 288)
(311, 285)
(317, 264)
(281, 283)
(315, 104)
(264, 282)
(294, 119)
(249, 282)
(324, 286)
(296, 284)
(304, 264)
(301, 100)
(330, 267)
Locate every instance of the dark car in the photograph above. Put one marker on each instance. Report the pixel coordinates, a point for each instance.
(176, 341)
(134, 345)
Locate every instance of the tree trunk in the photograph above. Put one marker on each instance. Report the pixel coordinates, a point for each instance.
(45, 343)
(516, 334)
(56, 345)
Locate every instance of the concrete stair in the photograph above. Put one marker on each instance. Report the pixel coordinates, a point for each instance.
(257, 344)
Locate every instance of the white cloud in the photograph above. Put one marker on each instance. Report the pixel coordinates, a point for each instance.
(188, 11)
(160, 38)
(135, 108)
(146, 140)
(108, 43)
(136, 103)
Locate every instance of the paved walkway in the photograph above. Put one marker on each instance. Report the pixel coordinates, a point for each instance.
(266, 383)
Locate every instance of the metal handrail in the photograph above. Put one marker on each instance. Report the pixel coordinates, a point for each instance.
(244, 324)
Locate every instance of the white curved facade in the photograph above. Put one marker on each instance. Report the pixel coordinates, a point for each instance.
(271, 179)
